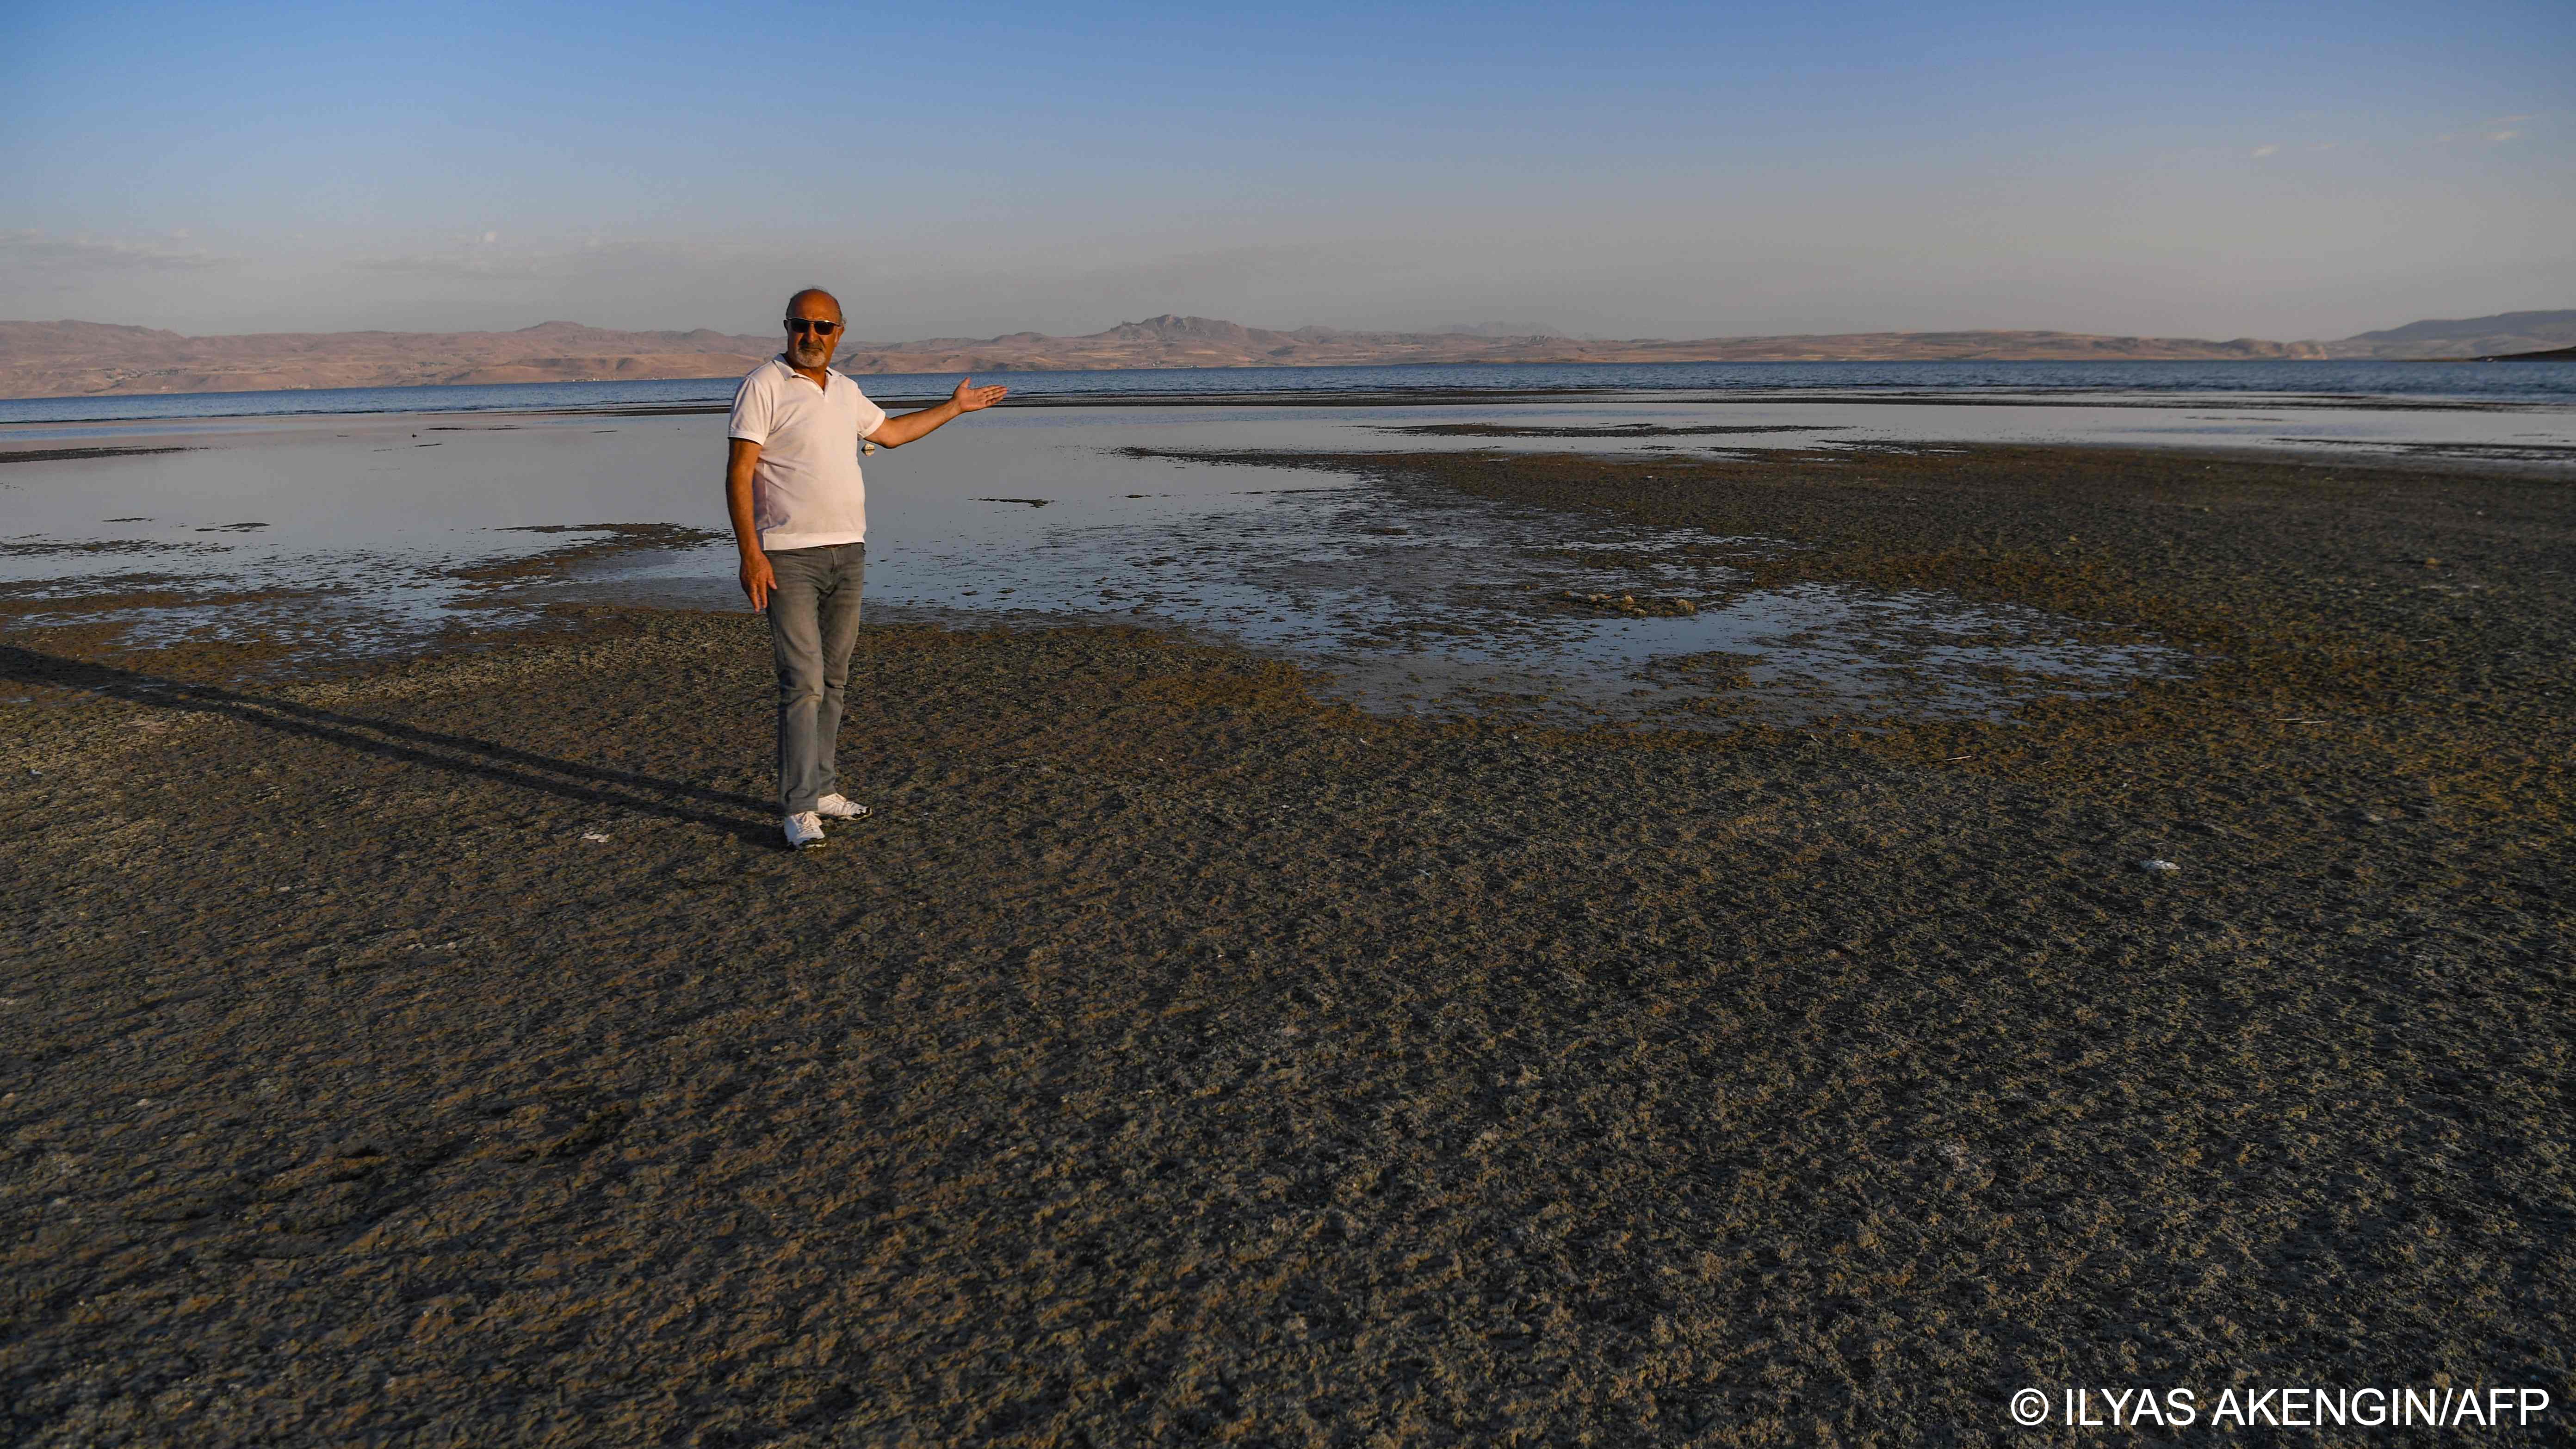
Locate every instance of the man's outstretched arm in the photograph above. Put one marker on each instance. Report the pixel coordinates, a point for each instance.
(895, 432)
(757, 579)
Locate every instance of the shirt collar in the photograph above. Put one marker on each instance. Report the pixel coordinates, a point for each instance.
(789, 368)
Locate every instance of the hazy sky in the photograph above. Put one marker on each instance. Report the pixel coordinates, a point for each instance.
(2225, 169)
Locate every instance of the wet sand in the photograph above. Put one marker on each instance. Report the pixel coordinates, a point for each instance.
(1177, 1055)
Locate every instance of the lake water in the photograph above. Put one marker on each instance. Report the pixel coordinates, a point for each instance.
(373, 531)
(2503, 382)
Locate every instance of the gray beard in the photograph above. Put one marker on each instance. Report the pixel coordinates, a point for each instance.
(806, 354)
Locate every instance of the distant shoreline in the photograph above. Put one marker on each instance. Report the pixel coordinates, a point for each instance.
(905, 364)
(91, 359)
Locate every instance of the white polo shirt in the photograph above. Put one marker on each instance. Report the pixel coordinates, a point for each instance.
(806, 491)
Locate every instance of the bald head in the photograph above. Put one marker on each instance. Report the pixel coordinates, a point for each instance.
(814, 302)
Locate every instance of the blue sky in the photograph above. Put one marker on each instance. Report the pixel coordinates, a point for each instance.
(2243, 169)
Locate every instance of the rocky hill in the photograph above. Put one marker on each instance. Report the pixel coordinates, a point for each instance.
(2505, 332)
(54, 359)
(1173, 341)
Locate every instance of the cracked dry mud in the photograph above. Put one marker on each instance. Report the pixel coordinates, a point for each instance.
(1176, 1058)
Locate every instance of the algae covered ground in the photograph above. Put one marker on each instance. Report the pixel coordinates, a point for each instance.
(1178, 1056)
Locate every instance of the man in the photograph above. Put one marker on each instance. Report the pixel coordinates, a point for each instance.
(800, 520)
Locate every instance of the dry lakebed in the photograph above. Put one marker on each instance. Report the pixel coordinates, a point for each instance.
(440, 1048)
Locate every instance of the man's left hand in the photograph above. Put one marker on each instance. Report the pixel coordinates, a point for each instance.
(968, 398)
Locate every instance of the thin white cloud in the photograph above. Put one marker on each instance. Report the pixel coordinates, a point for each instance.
(484, 257)
(475, 264)
(2266, 149)
(2492, 130)
(27, 247)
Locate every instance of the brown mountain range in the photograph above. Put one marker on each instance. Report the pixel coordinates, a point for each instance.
(60, 359)
(57, 359)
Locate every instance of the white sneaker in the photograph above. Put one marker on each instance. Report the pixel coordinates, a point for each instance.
(805, 831)
(840, 807)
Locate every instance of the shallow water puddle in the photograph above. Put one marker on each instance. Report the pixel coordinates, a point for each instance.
(345, 535)
(1422, 601)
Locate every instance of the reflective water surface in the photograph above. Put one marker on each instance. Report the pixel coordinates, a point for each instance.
(2346, 380)
(371, 533)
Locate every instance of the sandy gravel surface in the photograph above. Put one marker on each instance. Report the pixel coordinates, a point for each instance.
(1175, 1058)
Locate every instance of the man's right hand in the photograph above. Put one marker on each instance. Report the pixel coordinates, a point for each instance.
(757, 580)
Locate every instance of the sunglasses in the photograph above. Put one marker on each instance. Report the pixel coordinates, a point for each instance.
(819, 329)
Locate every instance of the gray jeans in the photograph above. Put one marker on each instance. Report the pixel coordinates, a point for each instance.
(813, 621)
